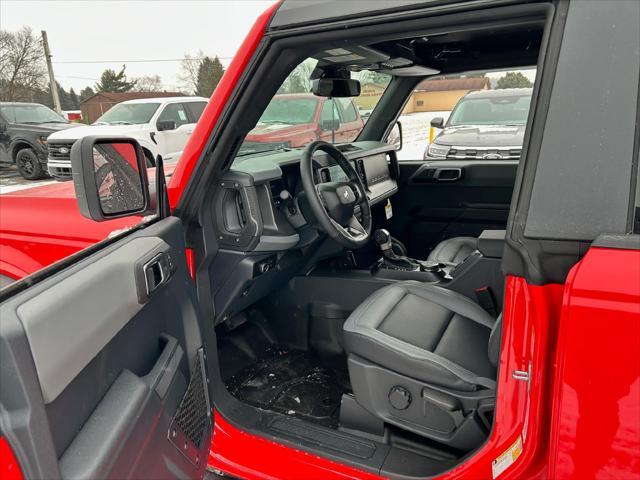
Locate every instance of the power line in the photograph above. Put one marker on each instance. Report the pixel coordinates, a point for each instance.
(157, 60)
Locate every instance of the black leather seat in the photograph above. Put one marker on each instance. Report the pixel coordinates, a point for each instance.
(453, 251)
(424, 358)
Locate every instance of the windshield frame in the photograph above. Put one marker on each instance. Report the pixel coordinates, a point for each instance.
(55, 117)
(120, 106)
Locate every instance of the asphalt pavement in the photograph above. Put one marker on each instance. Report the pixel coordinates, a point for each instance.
(12, 181)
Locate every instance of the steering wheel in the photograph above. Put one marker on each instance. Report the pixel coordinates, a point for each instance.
(333, 203)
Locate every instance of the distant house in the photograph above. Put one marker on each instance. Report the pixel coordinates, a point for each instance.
(93, 107)
(370, 93)
(442, 94)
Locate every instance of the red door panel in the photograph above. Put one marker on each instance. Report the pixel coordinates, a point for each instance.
(596, 418)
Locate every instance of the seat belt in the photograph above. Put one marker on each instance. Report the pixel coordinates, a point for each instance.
(486, 300)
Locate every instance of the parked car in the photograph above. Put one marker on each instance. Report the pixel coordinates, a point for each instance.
(162, 126)
(484, 125)
(24, 129)
(293, 120)
(258, 323)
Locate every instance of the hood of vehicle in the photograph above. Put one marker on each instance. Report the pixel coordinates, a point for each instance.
(482, 136)
(277, 131)
(80, 132)
(44, 127)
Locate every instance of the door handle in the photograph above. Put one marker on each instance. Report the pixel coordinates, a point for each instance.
(156, 272)
(447, 174)
(190, 130)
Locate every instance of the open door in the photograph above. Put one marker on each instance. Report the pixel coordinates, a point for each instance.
(101, 364)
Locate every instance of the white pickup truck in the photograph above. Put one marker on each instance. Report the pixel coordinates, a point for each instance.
(162, 126)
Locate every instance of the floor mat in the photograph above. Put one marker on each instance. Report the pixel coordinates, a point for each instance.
(292, 382)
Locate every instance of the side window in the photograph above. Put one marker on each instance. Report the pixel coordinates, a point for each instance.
(174, 112)
(195, 110)
(348, 110)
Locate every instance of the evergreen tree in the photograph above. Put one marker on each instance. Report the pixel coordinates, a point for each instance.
(85, 93)
(514, 80)
(110, 81)
(210, 72)
(74, 100)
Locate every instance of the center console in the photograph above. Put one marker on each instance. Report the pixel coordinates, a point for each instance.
(481, 270)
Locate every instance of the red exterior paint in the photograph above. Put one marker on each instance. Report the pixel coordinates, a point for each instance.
(596, 414)
(41, 225)
(9, 466)
(529, 330)
(198, 140)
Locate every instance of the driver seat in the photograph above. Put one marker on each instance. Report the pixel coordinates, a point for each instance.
(424, 358)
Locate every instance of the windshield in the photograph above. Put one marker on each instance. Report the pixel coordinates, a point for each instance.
(295, 117)
(289, 110)
(31, 114)
(500, 110)
(128, 114)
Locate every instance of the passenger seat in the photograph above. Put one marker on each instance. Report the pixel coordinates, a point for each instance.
(453, 251)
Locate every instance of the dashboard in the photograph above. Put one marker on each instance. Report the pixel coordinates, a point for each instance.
(261, 205)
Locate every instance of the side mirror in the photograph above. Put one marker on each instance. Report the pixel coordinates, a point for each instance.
(3, 127)
(110, 177)
(330, 125)
(335, 87)
(437, 122)
(395, 136)
(164, 125)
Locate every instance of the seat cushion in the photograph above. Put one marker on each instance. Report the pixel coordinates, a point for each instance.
(453, 250)
(425, 332)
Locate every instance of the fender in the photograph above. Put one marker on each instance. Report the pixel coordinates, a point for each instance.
(14, 143)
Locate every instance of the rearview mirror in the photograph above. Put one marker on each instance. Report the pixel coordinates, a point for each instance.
(437, 122)
(163, 125)
(335, 87)
(110, 177)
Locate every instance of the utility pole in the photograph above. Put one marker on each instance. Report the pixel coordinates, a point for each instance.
(52, 78)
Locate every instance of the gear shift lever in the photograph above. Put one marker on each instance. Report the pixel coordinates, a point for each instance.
(390, 259)
(383, 239)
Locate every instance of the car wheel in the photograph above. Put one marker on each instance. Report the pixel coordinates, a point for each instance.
(28, 164)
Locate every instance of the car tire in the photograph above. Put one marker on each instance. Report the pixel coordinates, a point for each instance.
(29, 165)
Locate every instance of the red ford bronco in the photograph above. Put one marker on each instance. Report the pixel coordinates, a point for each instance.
(326, 310)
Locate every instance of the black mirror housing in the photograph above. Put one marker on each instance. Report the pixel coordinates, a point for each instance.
(395, 136)
(164, 125)
(335, 87)
(110, 177)
(437, 122)
(3, 127)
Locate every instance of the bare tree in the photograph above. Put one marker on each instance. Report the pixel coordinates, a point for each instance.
(22, 66)
(149, 83)
(189, 68)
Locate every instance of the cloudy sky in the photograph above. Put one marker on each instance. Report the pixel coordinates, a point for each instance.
(111, 33)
